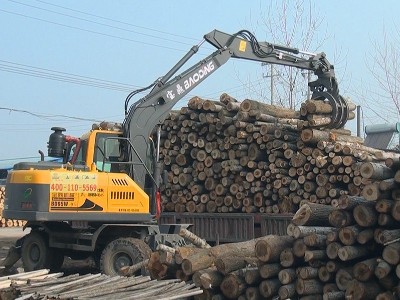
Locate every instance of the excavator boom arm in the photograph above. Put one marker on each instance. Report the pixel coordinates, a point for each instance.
(144, 115)
(151, 110)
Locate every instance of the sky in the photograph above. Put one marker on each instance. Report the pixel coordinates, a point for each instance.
(72, 63)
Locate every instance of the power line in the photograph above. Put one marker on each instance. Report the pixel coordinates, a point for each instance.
(117, 21)
(45, 73)
(91, 31)
(82, 79)
(23, 69)
(46, 117)
(99, 23)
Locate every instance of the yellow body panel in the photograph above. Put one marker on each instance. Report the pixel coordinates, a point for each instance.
(96, 191)
(85, 191)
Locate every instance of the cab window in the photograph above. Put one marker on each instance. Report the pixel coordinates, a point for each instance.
(106, 152)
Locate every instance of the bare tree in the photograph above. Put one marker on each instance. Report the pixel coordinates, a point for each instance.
(292, 24)
(384, 65)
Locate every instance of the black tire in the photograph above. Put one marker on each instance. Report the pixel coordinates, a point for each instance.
(57, 259)
(96, 258)
(36, 254)
(123, 252)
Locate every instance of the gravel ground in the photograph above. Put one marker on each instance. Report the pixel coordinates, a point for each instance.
(8, 237)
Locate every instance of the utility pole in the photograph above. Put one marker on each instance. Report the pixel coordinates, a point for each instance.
(359, 120)
(308, 87)
(272, 83)
(308, 81)
(271, 75)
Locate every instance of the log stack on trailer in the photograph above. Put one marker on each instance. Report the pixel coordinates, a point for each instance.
(216, 158)
(230, 157)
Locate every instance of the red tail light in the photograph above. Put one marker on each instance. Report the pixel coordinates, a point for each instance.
(158, 204)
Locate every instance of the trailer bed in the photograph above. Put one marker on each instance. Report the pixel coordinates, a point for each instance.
(230, 227)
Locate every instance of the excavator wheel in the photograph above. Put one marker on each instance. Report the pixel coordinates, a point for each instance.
(36, 254)
(123, 252)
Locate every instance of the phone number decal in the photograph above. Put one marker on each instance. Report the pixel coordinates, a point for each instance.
(73, 182)
(73, 187)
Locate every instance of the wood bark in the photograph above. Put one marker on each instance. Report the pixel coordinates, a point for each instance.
(312, 214)
(269, 250)
(363, 290)
(232, 286)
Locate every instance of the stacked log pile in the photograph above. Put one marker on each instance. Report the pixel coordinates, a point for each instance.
(251, 268)
(348, 167)
(354, 247)
(3, 221)
(347, 251)
(250, 157)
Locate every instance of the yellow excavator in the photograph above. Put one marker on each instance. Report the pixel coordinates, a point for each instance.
(102, 199)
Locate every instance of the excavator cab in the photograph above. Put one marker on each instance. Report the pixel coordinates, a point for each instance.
(99, 147)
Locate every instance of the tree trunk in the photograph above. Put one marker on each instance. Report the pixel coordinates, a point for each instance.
(252, 275)
(343, 278)
(315, 240)
(302, 231)
(287, 291)
(376, 171)
(332, 249)
(324, 275)
(365, 236)
(391, 253)
(365, 215)
(348, 235)
(269, 250)
(232, 286)
(287, 276)
(307, 272)
(312, 214)
(352, 252)
(396, 210)
(270, 270)
(363, 290)
(252, 293)
(338, 295)
(211, 278)
(269, 287)
(314, 255)
(340, 218)
(382, 269)
(227, 264)
(308, 287)
(387, 236)
(196, 262)
(350, 202)
(365, 270)
(197, 241)
(272, 110)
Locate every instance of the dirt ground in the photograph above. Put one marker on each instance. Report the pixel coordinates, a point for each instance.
(8, 237)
